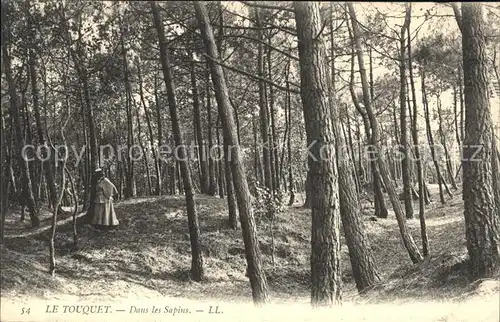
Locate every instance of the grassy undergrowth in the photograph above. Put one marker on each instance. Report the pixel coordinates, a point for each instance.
(149, 257)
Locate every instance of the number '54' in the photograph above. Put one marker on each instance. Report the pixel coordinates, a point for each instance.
(25, 311)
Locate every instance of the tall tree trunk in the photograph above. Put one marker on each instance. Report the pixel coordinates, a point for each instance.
(396, 130)
(237, 122)
(52, 265)
(449, 169)
(325, 234)
(379, 201)
(274, 136)
(212, 188)
(363, 265)
(410, 245)
(94, 156)
(91, 159)
(48, 172)
(130, 192)
(86, 162)
(231, 199)
(361, 168)
(264, 122)
(289, 141)
(160, 132)
(482, 217)
(14, 110)
(255, 272)
(220, 160)
(430, 138)
(420, 175)
(286, 134)
(270, 137)
(204, 183)
(194, 231)
(25, 115)
(351, 149)
(144, 153)
(405, 166)
(257, 160)
(150, 130)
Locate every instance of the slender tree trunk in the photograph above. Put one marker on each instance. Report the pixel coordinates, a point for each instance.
(270, 137)
(128, 107)
(92, 162)
(449, 170)
(410, 245)
(231, 199)
(362, 261)
(351, 149)
(52, 266)
(405, 166)
(420, 176)
(255, 272)
(29, 139)
(264, 122)
(220, 160)
(204, 180)
(150, 131)
(396, 130)
(289, 141)
(85, 165)
(47, 166)
(144, 152)
(160, 132)
(361, 168)
(257, 161)
(94, 156)
(430, 138)
(212, 190)
(194, 231)
(274, 136)
(379, 201)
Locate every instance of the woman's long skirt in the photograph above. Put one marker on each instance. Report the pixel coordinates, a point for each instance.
(104, 214)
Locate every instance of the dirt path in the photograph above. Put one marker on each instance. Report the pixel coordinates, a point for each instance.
(45, 226)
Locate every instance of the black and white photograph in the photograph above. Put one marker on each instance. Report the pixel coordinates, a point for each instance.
(249, 161)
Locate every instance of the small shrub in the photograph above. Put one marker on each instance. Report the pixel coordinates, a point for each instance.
(266, 204)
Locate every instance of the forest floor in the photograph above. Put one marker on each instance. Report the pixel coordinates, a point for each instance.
(148, 257)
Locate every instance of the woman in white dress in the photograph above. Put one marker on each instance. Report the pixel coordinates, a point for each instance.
(104, 215)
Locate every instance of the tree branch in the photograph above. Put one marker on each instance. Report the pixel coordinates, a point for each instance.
(266, 44)
(240, 71)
